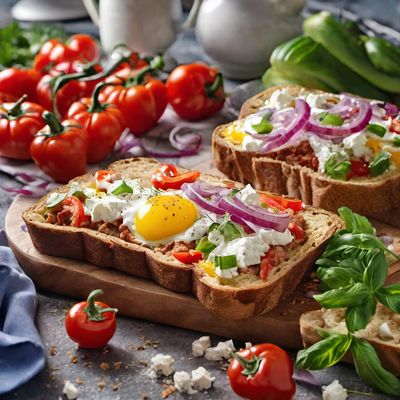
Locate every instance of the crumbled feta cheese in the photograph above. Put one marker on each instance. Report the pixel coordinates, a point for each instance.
(183, 382)
(247, 345)
(317, 101)
(323, 149)
(228, 273)
(249, 196)
(275, 238)
(280, 99)
(385, 332)
(356, 143)
(103, 185)
(201, 379)
(200, 345)
(251, 143)
(70, 390)
(89, 192)
(248, 250)
(220, 351)
(106, 209)
(334, 391)
(162, 365)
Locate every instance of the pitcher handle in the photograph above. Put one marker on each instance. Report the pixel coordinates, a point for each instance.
(192, 17)
(92, 7)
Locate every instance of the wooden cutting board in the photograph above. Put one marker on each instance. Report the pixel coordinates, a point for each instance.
(142, 298)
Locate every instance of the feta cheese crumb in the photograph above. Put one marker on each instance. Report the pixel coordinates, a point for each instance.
(247, 345)
(334, 391)
(200, 345)
(161, 365)
(228, 273)
(250, 143)
(183, 382)
(356, 143)
(275, 238)
(201, 379)
(280, 99)
(220, 351)
(216, 237)
(249, 196)
(70, 390)
(385, 332)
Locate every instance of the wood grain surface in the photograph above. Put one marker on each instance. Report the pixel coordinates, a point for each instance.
(144, 299)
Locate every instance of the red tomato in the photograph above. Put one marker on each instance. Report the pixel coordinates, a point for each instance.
(265, 268)
(19, 81)
(271, 202)
(358, 168)
(19, 122)
(103, 174)
(72, 212)
(395, 126)
(91, 323)
(188, 257)
(7, 98)
(85, 46)
(167, 177)
(60, 150)
(104, 124)
(195, 91)
(263, 372)
(296, 230)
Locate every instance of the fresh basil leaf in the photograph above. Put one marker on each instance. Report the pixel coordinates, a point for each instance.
(377, 270)
(356, 223)
(349, 296)
(369, 368)
(205, 246)
(326, 263)
(337, 277)
(330, 119)
(389, 296)
(337, 167)
(123, 188)
(376, 129)
(380, 164)
(55, 200)
(358, 317)
(324, 353)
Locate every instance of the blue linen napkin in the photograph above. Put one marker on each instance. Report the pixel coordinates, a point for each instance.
(21, 349)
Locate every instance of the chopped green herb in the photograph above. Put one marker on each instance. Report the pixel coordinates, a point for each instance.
(54, 200)
(396, 142)
(205, 246)
(337, 167)
(225, 262)
(232, 193)
(79, 195)
(330, 119)
(380, 164)
(229, 229)
(122, 189)
(377, 129)
(264, 126)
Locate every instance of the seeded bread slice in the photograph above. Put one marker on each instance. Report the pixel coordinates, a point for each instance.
(112, 252)
(388, 349)
(376, 197)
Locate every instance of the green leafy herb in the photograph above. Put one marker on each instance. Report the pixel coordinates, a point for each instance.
(396, 142)
(337, 167)
(264, 126)
(337, 277)
(390, 297)
(225, 262)
(380, 164)
(229, 229)
(377, 129)
(325, 353)
(376, 271)
(232, 193)
(55, 200)
(330, 119)
(205, 246)
(358, 317)
(123, 188)
(369, 368)
(79, 195)
(356, 223)
(347, 296)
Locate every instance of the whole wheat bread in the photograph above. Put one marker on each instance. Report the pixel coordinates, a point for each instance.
(112, 252)
(332, 320)
(376, 197)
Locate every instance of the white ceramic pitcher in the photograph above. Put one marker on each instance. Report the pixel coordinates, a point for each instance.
(147, 26)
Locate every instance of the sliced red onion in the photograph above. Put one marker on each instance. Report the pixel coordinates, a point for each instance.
(344, 107)
(356, 125)
(204, 189)
(210, 204)
(304, 377)
(184, 139)
(391, 109)
(255, 214)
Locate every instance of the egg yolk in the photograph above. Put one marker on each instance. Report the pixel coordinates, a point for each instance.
(164, 216)
(233, 134)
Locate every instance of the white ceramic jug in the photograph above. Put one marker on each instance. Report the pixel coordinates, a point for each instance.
(239, 35)
(147, 26)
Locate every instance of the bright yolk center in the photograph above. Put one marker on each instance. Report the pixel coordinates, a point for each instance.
(164, 216)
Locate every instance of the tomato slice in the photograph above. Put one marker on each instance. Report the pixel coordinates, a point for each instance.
(294, 204)
(188, 257)
(359, 168)
(72, 213)
(167, 177)
(395, 126)
(296, 230)
(103, 174)
(265, 267)
(270, 202)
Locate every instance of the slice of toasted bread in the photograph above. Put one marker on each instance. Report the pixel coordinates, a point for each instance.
(388, 349)
(112, 252)
(375, 197)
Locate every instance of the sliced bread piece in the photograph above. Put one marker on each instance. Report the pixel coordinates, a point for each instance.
(383, 332)
(375, 197)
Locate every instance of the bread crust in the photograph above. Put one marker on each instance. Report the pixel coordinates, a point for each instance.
(374, 197)
(112, 252)
(389, 353)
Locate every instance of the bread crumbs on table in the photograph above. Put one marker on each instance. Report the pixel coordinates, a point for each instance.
(53, 350)
(74, 359)
(101, 384)
(166, 392)
(79, 381)
(117, 365)
(115, 386)
(105, 366)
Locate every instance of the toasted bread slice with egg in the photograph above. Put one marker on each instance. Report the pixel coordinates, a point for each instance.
(375, 197)
(228, 300)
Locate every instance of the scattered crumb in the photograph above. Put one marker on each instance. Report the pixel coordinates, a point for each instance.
(139, 348)
(53, 350)
(115, 386)
(105, 366)
(79, 381)
(166, 392)
(143, 363)
(106, 350)
(74, 359)
(117, 365)
(47, 386)
(101, 384)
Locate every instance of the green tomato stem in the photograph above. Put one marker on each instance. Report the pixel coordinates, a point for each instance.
(16, 111)
(212, 89)
(94, 311)
(250, 367)
(56, 127)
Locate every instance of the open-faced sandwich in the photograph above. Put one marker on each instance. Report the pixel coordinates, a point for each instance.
(330, 150)
(240, 251)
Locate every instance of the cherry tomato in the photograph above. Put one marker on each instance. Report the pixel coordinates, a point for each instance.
(60, 150)
(84, 45)
(167, 177)
(296, 230)
(19, 122)
(104, 124)
(188, 257)
(19, 81)
(263, 372)
(91, 323)
(395, 126)
(195, 91)
(358, 168)
(265, 268)
(72, 212)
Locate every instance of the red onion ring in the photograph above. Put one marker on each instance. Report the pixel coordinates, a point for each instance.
(391, 109)
(184, 142)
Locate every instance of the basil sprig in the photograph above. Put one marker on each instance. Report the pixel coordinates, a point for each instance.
(380, 164)
(228, 229)
(353, 270)
(337, 167)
